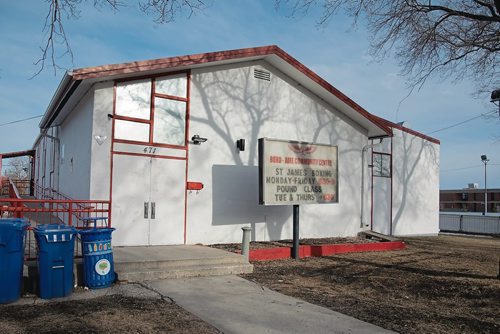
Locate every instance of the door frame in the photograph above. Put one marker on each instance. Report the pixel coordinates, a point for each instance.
(390, 154)
(151, 143)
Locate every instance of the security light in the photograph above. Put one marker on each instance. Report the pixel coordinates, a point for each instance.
(197, 140)
(484, 158)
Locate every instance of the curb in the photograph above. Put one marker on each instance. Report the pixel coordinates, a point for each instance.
(279, 253)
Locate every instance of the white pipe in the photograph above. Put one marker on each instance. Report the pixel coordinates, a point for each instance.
(363, 151)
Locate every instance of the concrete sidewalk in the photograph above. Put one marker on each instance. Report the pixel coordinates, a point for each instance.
(235, 305)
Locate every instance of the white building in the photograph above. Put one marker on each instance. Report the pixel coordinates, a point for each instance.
(124, 133)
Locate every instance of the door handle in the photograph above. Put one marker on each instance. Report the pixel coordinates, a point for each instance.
(153, 209)
(146, 209)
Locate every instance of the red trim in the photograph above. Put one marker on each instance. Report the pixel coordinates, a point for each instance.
(324, 250)
(149, 121)
(172, 62)
(271, 254)
(132, 119)
(151, 76)
(125, 141)
(410, 131)
(171, 97)
(149, 155)
(204, 58)
(152, 110)
(188, 110)
(8, 155)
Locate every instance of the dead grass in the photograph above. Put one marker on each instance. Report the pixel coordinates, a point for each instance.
(444, 284)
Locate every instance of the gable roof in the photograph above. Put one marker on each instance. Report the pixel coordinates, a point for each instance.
(77, 82)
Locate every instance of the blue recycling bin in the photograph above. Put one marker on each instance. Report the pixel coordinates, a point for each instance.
(12, 232)
(98, 266)
(56, 245)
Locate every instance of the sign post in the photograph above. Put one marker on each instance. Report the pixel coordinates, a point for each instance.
(296, 173)
(296, 247)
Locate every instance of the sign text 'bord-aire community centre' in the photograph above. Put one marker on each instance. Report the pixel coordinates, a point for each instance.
(293, 172)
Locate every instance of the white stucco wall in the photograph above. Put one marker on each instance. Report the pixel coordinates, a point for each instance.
(47, 160)
(228, 103)
(101, 146)
(415, 208)
(75, 134)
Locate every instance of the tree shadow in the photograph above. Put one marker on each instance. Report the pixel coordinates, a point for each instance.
(419, 161)
(242, 107)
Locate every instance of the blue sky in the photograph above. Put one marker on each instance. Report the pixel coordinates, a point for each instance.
(337, 52)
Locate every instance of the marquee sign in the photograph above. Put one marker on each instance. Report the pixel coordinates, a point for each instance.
(292, 173)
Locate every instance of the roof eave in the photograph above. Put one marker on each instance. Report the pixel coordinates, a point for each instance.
(108, 72)
(55, 102)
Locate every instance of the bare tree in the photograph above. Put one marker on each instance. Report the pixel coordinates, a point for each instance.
(458, 39)
(18, 168)
(56, 43)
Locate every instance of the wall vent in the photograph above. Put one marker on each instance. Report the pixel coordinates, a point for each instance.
(261, 74)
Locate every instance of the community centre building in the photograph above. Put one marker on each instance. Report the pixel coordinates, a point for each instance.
(173, 144)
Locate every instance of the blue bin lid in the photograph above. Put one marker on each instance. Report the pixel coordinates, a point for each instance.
(14, 223)
(97, 230)
(54, 228)
(55, 232)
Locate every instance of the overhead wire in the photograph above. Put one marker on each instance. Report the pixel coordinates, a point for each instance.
(462, 122)
(21, 120)
(469, 167)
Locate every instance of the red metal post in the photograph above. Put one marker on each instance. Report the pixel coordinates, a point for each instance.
(70, 218)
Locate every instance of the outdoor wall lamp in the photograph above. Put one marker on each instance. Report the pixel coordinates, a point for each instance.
(240, 144)
(197, 140)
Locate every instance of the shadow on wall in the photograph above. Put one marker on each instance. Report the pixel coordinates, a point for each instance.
(244, 108)
(419, 161)
(235, 201)
(236, 105)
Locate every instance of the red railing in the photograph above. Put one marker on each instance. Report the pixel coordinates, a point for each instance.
(61, 210)
(42, 211)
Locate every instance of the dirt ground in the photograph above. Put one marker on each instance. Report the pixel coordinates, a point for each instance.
(289, 243)
(444, 284)
(110, 314)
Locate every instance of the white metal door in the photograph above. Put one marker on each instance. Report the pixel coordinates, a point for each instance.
(167, 200)
(148, 201)
(381, 211)
(131, 190)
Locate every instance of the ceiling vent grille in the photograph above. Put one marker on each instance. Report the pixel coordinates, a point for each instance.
(261, 74)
